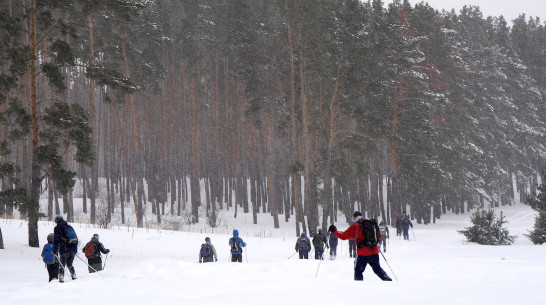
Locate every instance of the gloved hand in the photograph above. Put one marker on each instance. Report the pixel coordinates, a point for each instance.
(297, 250)
(332, 228)
(215, 259)
(327, 247)
(200, 262)
(107, 251)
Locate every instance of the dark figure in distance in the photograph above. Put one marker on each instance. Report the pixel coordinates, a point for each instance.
(303, 246)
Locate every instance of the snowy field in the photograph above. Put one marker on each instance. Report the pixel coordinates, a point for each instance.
(149, 266)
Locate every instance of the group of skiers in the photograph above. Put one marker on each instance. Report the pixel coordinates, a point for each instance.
(403, 224)
(62, 248)
(330, 241)
(364, 245)
(366, 238)
(207, 253)
(303, 246)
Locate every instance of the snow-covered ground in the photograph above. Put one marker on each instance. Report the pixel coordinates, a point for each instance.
(149, 266)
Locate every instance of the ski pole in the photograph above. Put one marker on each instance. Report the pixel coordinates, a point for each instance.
(246, 256)
(388, 265)
(60, 263)
(316, 273)
(413, 234)
(104, 266)
(89, 265)
(292, 255)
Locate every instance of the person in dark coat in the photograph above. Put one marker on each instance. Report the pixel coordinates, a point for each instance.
(93, 250)
(406, 223)
(365, 255)
(398, 224)
(303, 246)
(384, 230)
(52, 269)
(319, 241)
(236, 243)
(332, 242)
(67, 252)
(207, 257)
(352, 247)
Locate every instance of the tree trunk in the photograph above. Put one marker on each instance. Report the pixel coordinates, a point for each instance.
(34, 208)
(270, 172)
(85, 183)
(92, 191)
(328, 210)
(49, 200)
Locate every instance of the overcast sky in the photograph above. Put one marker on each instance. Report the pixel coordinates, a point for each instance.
(510, 9)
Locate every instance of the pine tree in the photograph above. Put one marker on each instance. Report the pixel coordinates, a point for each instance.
(49, 46)
(14, 119)
(487, 229)
(538, 234)
(538, 203)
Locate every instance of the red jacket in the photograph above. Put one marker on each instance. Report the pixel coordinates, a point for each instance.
(354, 232)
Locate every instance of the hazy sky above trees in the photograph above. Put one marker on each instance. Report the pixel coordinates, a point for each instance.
(510, 9)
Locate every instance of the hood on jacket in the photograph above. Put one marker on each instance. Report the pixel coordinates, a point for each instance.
(62, 223)
(235, 233)
(357, 219)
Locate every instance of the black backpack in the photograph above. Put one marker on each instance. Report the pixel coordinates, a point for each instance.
(303, 243)
(206, 251)
(370, 233)
(235, 245)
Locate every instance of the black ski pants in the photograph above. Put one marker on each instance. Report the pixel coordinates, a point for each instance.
(373, 261)
(67, 260)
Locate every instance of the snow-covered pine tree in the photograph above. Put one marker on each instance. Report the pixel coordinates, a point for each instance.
(538, 203)
(487, 229)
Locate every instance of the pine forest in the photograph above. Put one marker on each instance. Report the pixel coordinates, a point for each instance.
(303, 109)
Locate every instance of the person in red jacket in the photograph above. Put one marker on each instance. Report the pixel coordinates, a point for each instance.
(364, 255)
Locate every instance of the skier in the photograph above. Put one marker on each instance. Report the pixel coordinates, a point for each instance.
(93, 250)
(61, 246)
(384, 230)
(208, 252)
(303, 246)
(236, 243)
(365, 255)
(319, 240)
(352, 247)
(332, 241)
(406, 223)
(51, 261)
(398, 224)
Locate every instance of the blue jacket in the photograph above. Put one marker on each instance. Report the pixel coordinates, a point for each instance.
(59, 240)
(47, 252)
(406, 223)
(332, 240)
(239, 241)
